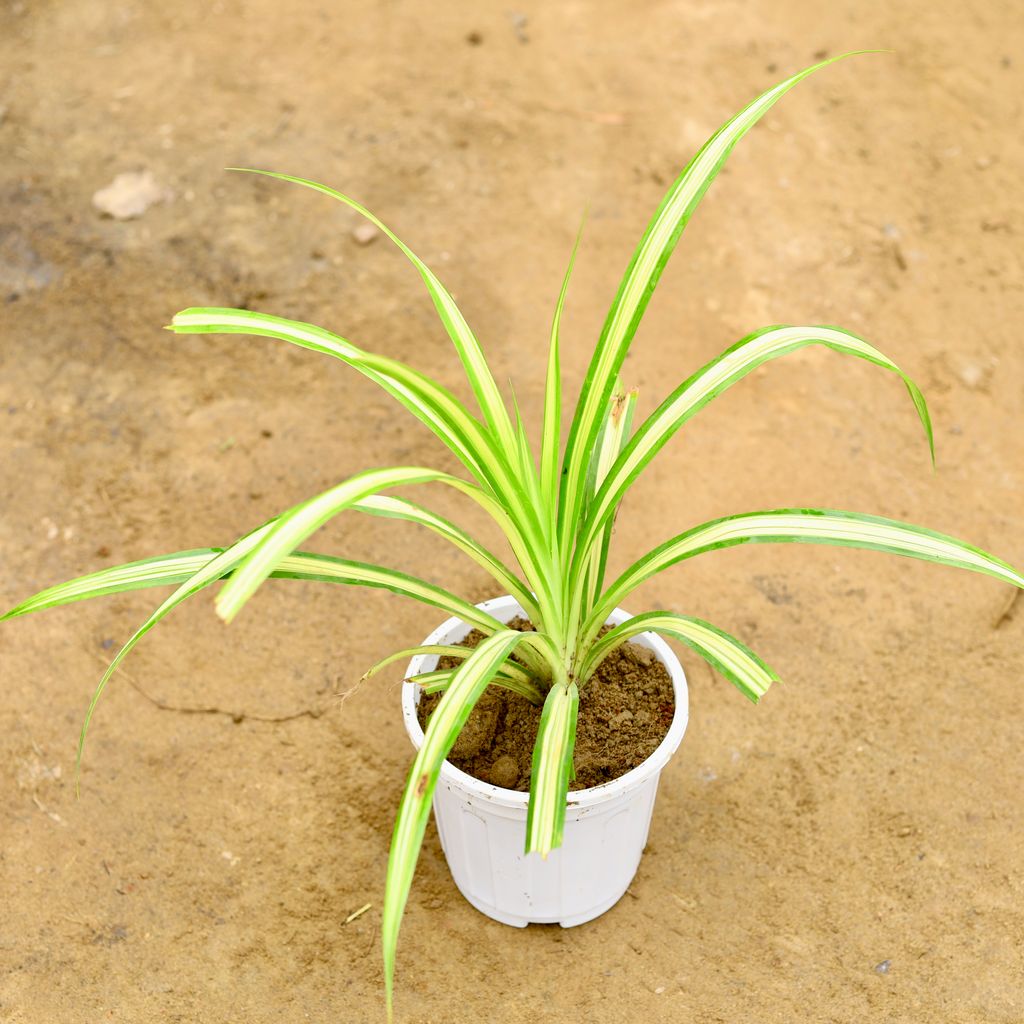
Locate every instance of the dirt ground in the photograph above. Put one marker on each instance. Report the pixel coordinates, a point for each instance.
(852, 849)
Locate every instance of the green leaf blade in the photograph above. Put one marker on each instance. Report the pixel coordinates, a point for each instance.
(208, 573)
(470, 353)
(295, 525)
(502, 492)
(551, 429)
(552, 769)
(466, 687)
(435, 406)
(638, 284)
(806, 526)
(510, 669)
(163, 570)
(737, 662)
(715, 377)
(439, 681)
(391, 507)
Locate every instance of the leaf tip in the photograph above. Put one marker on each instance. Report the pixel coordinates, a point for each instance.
(226, 609)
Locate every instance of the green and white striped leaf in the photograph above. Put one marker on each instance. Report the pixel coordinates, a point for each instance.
(164, 570)
(430, 402)
(434, 682)
(709, 382)
(737, 662)
(466, 344)
(390, 507)
(511, 505)
(637, 287)
(182, 566)
(294, 526)
(805, 526)
(552, 768)
(212, 570)
(527, 466)
(197, 569)
(510, 669)
(439, 681)
(551, 430)
(467, 685)
(303, 565)
(614, 435)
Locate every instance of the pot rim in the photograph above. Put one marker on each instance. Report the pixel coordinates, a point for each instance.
(580, 797)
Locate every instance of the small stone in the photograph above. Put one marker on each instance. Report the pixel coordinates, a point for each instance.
(130, 195)
(983, 162)
(973, 376)
(365, 233)
(504, 772)
(519, 22)
(883, 967)
(621, 719)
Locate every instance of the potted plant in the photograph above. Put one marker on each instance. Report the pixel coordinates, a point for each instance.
(556, 511)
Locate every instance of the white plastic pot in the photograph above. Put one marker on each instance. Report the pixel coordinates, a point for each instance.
(483, 827)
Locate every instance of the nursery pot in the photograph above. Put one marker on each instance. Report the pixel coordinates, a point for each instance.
(483, 827)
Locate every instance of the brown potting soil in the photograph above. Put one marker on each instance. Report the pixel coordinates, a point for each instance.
(625, 710)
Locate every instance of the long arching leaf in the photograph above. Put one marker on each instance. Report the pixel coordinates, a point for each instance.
(182, 566)
(552, 768)
(292, 527)
(512, 507)
(510, 669)
(804, 526)
(468, 684)
(164, 570)
(466, 344)
(637, 287)
(390, 507)
(737, 662)
(709, 382)
(210, 571)
(551, 430)
(428, 401)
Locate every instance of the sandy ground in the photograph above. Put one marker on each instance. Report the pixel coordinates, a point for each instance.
(868, 813)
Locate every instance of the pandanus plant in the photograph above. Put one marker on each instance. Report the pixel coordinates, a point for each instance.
(556, 514)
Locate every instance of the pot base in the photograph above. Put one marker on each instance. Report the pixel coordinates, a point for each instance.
(517, 921)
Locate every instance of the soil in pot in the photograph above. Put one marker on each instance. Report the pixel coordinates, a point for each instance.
(625, 711)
